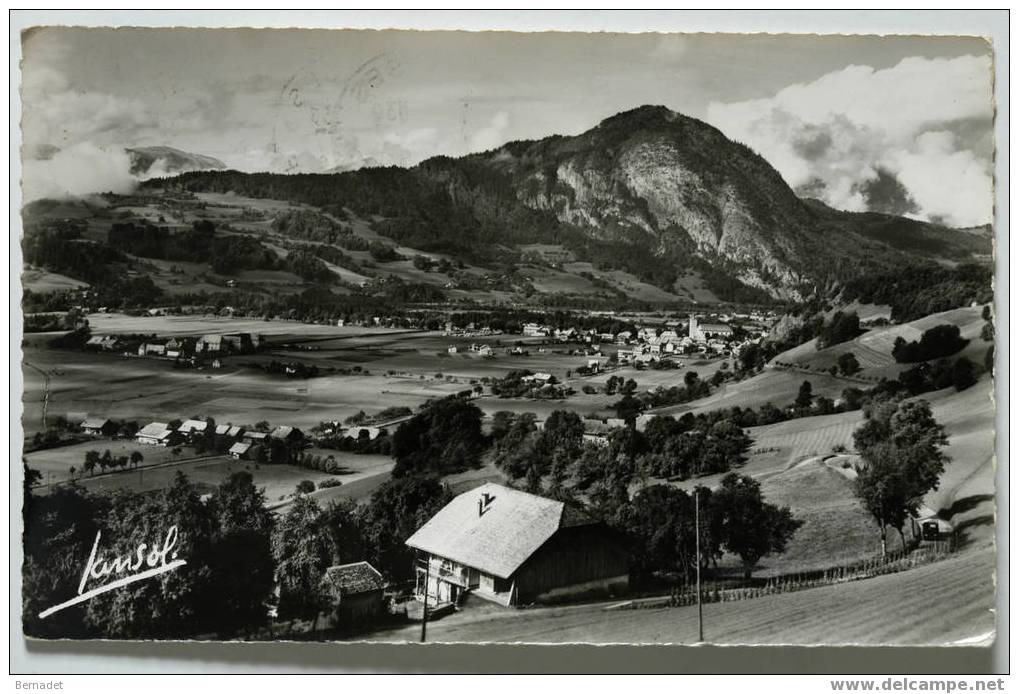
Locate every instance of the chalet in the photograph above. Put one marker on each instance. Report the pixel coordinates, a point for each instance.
(485, 351)
(357, 591)
(96, 426)
(516, 548)
(174, 347)
(156, 434)
(287, 434)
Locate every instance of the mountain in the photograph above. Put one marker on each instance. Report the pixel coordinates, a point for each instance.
(649, 191)
(161, 160)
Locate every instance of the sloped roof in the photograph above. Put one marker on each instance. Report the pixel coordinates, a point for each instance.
(94, 423)
(153, 430)
(512, 528)
(359, 577)
(235, 431)
(283, 431)
(240, 448)
(222, 429)
(192, 425)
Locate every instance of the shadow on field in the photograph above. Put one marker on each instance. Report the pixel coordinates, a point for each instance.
(963, 505)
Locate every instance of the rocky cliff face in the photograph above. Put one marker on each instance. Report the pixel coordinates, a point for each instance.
(676, 182)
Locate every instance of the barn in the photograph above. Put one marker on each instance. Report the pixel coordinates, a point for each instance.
(97, 426)
(516, 548)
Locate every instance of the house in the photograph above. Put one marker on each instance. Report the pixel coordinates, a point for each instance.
(485, 351)
(229, 431)
(156, 434)
(241, 450)
(452, 349)
(357, 591)
(96, 426)
(287, 434)
(702, 332)
(516, 548)
(534, 330)
(255, 436)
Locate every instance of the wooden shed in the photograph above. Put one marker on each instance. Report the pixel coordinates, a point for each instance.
(357, 590)
(516, 548)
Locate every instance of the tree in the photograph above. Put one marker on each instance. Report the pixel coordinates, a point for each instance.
(445, 436)
(750, 527)
(305, 487)
(848, 364)
(963, 373)
(902, 461)
(91, 461)
(397, 509)
(805, 396)
(175, 452)
(137, 458)
(241, 554)
(301, 552)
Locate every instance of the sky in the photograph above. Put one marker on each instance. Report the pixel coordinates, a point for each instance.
(893, 124)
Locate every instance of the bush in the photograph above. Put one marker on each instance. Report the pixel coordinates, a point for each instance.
(305, 487)
(330, 483)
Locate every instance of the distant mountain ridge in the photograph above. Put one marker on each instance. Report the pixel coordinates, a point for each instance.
(170, 160)
(648, 190)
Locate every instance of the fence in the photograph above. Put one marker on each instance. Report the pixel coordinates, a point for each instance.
(684, 596)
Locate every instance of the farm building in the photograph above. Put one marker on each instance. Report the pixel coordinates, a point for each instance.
(229, 431)
(242, 450)
(357, 591)
(151, 348)
(209, 343)
(516, 548)
(96, 426)
(156, 434)
(255, 436)
(191, 427)
(107, 342)
(287, 434)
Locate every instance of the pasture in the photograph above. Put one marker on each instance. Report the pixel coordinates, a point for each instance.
(54, 463)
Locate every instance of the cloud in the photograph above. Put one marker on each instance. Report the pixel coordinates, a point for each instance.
(913, 138)
(492, 135)
(79, 170)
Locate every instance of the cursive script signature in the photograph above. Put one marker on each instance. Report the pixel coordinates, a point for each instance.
(159, 558)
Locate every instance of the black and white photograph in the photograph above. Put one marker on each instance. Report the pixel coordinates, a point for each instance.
(335, 335)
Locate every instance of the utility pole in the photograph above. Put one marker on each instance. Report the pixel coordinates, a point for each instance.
(424, 611)
(697, 532)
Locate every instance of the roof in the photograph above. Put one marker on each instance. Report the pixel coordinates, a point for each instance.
(153, 430)
(283, 431)
(235, 431)
(512, 528)
(258, 435)
(715, 327)
(240, 448)
(192, 425)
(94, 423)
(359, 577)
(222, 429)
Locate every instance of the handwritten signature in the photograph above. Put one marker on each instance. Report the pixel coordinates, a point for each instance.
(159, 558)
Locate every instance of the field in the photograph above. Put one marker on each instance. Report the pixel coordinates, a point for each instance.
(54, 463)
(772, 385)
(43, 281)
(277, 480)
(937, 604)
(873, 349)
